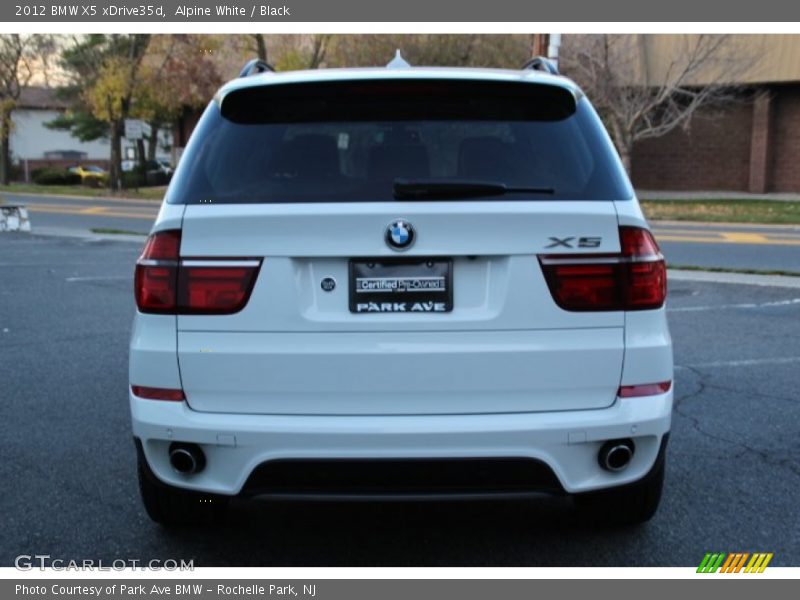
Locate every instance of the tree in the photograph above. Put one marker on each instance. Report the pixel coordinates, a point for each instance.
(104, 72)
(455, 50)
(637, 103)
(295, 52)
(260, 45)
(153, 78)
(20, 55)
(178, 73)
(81, 59)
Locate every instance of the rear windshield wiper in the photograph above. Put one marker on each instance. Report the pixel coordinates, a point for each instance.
(446, 189)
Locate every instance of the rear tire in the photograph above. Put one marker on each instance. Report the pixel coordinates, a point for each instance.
(627, 505)
(175, 507)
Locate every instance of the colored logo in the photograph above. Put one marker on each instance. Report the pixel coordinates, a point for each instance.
(734, 562)
(399, 235)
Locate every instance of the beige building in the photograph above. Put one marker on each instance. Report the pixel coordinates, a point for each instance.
(751, 145)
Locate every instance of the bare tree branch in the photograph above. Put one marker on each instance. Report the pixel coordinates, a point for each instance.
(638, 102)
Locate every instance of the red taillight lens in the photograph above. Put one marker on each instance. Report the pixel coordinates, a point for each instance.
(164, 283)
(152, 393)
(647, 389)
(634, 279)
(156, 278)
(646, 285)
(646, 282)
(584, 286)
(638, 242)
(164, 245)
(213, 289)
(155, 288)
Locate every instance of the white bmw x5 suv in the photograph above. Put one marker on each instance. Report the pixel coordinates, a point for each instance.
(400, 283)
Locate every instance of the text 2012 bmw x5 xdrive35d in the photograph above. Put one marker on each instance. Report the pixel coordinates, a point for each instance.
(409, 282)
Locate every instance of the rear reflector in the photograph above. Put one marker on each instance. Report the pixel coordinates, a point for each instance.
(165, 284)
(151, 393)
(646, 389)
(634, 279)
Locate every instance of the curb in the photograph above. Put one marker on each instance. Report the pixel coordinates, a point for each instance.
(734, 278)
(714, 225)
(88, 235)
(703, 195)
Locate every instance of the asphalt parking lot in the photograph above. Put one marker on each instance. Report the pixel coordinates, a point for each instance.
(68, 462)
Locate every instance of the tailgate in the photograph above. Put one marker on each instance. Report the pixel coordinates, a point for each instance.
(298, 348)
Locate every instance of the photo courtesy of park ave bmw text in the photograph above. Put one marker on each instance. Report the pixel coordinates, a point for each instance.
(356, 300)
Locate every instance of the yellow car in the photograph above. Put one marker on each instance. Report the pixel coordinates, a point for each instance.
(91, 175)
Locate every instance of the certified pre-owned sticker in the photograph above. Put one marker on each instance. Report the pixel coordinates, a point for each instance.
(400, 284)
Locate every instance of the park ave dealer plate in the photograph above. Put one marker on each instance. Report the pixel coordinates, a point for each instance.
(418, 285)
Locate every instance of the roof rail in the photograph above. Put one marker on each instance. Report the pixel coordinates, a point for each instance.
(540, 63)
(256, 66)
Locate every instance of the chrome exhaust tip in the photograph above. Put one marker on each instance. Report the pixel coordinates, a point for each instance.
(186, 459)
(615, 455)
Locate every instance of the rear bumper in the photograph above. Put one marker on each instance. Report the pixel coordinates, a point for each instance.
(566, 443)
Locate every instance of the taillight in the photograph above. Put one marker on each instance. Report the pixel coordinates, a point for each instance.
(215, 287)
(156, 279)
(645, 389)
(152, 393)
(634, 279)
(167, 284)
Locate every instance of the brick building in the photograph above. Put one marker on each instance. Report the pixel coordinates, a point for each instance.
(748, 146)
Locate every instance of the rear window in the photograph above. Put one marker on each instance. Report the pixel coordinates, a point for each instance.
(350, 142)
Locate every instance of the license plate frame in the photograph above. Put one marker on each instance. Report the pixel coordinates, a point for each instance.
(401, 285)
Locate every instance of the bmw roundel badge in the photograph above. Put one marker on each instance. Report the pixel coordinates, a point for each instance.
(400, 235)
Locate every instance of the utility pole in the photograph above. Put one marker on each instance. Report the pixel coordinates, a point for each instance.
(539, 43)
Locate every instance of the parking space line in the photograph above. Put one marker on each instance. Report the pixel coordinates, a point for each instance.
(687, 238)
(99, 278)
(741, 237)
